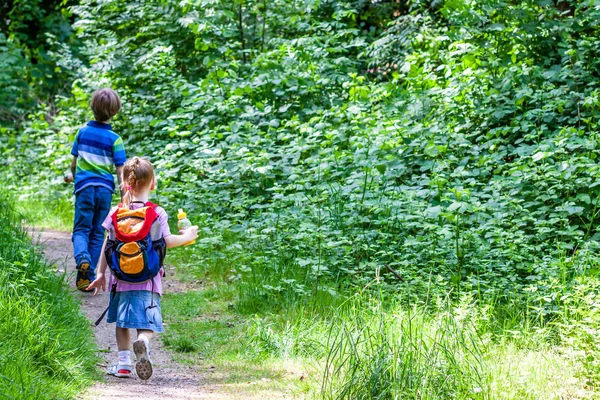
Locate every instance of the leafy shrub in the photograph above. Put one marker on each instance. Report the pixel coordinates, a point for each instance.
(470, 162)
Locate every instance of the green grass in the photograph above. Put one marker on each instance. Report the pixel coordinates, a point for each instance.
(52, 214)
(199, 323)
(47, 349)
(205, 330)
(388, 350)
(372, 344)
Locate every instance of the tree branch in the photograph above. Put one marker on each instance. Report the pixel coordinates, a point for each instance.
(396, 274)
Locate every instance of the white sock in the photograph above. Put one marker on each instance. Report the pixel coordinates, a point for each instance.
(143, 338)
(125, 357)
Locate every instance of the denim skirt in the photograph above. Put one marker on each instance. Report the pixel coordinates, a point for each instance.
(136, 309)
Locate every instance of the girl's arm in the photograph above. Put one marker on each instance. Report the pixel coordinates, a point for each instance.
(186, 235)
(100, 281)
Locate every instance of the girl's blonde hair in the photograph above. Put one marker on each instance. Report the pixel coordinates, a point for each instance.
(138, 174)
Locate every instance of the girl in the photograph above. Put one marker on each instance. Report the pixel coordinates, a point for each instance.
(137, 306)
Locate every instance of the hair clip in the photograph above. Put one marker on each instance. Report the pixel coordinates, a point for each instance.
(128, 188)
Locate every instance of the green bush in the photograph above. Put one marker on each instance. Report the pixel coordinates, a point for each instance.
(442, 145)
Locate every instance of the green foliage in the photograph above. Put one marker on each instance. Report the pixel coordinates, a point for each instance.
(465, 156)
(443, 148)
(434, 169)
(34, 37)
(14, 66)
(46, 347)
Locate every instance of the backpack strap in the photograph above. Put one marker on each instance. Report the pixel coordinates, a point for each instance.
(156, 229)
(147, 204)
(113, 292)
(149, 219)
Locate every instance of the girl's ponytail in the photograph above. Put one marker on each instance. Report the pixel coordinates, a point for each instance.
(127, 197)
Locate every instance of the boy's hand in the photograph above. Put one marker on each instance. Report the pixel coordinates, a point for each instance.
(99, 282)
(68, 177)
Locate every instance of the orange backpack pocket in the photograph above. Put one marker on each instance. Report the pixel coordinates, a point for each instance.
(132, 260)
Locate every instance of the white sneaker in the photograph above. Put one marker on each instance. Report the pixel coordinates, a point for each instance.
(143, 364)
(120, 370)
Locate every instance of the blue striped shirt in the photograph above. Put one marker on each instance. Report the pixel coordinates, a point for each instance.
(97, 148)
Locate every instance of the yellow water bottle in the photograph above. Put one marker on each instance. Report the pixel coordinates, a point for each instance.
(183, 223)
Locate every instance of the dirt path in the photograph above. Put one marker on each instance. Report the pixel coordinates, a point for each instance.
(170, 379)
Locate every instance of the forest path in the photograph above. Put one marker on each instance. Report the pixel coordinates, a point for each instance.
(170, 380)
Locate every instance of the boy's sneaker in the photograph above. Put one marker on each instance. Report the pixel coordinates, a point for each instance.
(143, 365)
(82, 281)
(120, 370)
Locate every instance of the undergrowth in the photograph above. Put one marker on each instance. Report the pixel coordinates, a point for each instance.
(47, 350)
(374, 342)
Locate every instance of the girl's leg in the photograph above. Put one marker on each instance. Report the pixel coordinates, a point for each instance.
(144, 333)
(141, 348)
(123, 367)
(122, 338)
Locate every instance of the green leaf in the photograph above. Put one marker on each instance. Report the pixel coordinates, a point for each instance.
(574, 209)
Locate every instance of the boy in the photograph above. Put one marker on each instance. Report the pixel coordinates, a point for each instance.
(95, 150)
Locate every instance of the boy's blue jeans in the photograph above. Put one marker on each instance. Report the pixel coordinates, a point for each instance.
(92, 205)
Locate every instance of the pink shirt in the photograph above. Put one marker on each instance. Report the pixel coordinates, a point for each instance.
(163, 218)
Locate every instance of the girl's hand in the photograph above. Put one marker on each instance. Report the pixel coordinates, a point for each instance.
(191, 233)
(99, 282)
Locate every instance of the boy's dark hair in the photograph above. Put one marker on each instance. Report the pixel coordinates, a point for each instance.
(105, 104)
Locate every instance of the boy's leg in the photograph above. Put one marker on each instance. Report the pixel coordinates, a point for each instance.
(82, 225)
(102, 200)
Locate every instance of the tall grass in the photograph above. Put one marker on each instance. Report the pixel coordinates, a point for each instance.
(382, 349)
(381, 352)
(375, 346)
(46, 349)
(380, 344)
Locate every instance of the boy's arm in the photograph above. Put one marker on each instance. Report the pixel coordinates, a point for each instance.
(70, 176)
(119, 159)
(120, 180)
(100, 281)
(187, 235)
(74, 165)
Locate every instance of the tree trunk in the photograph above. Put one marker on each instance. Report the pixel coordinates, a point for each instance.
(241, 28)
